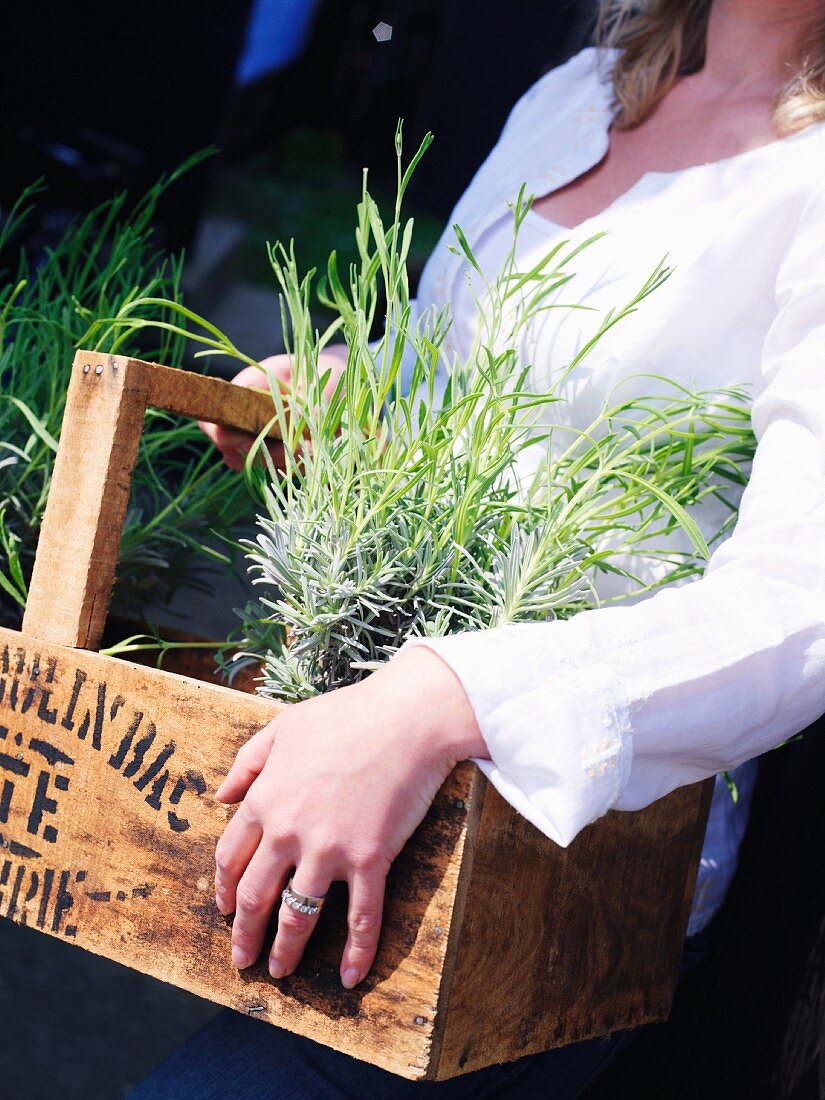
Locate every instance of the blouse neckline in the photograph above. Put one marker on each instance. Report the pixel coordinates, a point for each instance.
(546, 226)
(601, 137)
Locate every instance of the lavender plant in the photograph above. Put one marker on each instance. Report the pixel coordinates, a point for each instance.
(407, 512)
(425, 494)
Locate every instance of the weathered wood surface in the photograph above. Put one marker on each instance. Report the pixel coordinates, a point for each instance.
(552, 945)
(108, 826)
(80, 536)
(575, 960)
(496, 942)
(79, 539)
(212, 399)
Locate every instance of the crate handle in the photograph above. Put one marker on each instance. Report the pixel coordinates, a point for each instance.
(77, 551)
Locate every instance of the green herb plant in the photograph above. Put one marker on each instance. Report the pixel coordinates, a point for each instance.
(106, 266)
(426, 493)
(405, 509)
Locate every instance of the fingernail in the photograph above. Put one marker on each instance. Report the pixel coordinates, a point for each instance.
(350, 977)
(222, 909)
(276, 969)
(240, 958)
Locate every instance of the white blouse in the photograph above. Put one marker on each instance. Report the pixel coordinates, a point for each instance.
(617, 706)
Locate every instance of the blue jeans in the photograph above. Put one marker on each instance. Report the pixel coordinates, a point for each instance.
(237, 1056)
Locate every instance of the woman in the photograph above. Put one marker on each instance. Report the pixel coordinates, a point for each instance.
(695, 129)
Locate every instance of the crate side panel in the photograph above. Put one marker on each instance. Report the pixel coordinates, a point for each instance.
(558, 944)
(108, 829)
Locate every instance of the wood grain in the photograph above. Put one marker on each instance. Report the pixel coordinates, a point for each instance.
(80, 535)
(203, 398)
(496, 942)
(575, 942)
(572, 957)
(108, 832)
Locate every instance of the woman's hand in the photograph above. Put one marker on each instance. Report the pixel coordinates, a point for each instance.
(234, 446)
(333, 787)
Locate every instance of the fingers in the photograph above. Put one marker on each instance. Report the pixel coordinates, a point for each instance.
(234, 446)
(276, 450)
(233, 852)
(278, 367)
(247, 766)
(366, 905)
(294, 927)
(260, 885)
(255, 377)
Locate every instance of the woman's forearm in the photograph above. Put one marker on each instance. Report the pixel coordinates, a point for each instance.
(420, 690)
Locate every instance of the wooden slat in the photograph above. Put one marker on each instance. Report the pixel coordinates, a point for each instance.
(77, 551)
(496, 942)
(204, 398)
(80, 536)
(106, 774)
(575, 942)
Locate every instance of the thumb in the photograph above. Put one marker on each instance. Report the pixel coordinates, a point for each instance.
(247, 766)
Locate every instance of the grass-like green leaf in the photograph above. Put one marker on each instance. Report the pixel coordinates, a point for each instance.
(463, 500)
(105, 286)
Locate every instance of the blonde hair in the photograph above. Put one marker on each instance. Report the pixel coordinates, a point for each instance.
(664, 39)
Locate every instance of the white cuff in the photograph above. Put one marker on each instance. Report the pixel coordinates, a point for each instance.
(558, 734)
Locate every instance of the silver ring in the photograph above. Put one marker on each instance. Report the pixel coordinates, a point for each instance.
(304, 903)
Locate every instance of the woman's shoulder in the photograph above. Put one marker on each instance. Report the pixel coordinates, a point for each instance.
(545, 122)
(800, 174)
(589, 67)
(584, 80)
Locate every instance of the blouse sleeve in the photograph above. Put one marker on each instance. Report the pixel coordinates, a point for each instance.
(617, 706)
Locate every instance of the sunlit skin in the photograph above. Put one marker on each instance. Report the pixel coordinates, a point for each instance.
(719, 112)
(334, 786)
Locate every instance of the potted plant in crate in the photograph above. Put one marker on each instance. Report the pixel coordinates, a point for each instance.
(426, 498)
(406, 511)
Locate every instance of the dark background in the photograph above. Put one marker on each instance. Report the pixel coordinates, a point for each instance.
(98, 97)
(102, 96)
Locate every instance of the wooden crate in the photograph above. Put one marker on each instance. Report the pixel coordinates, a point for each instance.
(496, 942)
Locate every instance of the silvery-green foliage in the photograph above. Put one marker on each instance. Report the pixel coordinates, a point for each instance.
(404, 514)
